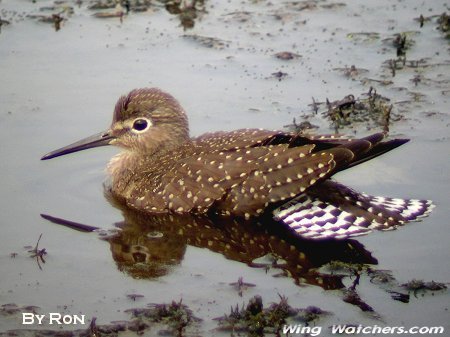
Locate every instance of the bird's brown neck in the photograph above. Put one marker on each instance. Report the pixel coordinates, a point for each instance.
(127, 168)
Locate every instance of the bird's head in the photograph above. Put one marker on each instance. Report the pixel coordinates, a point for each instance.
(145, 121)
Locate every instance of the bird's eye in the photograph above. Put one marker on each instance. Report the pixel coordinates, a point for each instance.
(141, 125)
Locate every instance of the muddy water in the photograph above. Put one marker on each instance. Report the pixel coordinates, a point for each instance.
(59, 86)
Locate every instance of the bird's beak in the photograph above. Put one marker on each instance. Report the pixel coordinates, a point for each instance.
(99, 139)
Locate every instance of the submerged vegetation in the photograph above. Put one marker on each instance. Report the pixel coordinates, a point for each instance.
(256, 320)
(370, 110)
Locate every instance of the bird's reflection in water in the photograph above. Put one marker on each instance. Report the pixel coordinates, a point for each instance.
(149, 246)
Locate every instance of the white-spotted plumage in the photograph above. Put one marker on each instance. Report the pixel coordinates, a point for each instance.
(243, 173)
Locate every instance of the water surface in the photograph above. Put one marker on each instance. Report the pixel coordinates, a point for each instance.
(60, 86)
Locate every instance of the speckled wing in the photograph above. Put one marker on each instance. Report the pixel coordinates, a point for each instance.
(244, 171)
(281, 174)
(208, 168)
(333, 211)
(237, 139)
(204, 178)
(243, 181)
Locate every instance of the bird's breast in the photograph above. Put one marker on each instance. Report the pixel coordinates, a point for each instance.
(121, 169)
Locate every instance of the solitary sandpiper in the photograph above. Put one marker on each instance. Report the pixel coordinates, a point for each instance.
(244, 173)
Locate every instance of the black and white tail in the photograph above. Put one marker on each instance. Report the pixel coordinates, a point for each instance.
(334, 211)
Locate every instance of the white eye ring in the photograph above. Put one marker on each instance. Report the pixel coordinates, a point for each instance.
(141, 125)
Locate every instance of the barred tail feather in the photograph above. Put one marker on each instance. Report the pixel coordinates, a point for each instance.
(312, 219)
(334, 211)
(407, 209)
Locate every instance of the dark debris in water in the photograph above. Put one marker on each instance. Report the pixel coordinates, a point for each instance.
(38, 253)
(61, 11)
(134, 297)
(302, 127)
(398, 296)
(240, 285)
(345, 267)
(175, 315)
(99, 5)
(380, 276)
(126, 5)
(187, 11)
(369, 111)
(383, 278)
(13, 309)
(352, 297)
(352, 72)
(402, 42)
(444, 24)
(279, 75)
(363, 37)
(402, 63)
(310, 314)
(416, 285)
(207, 42)
(56, 19)
(256, 320)
(287, 55)
(310, 5)
(3, 23)
(354, 271)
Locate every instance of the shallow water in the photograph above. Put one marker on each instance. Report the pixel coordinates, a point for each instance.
(58, 87)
